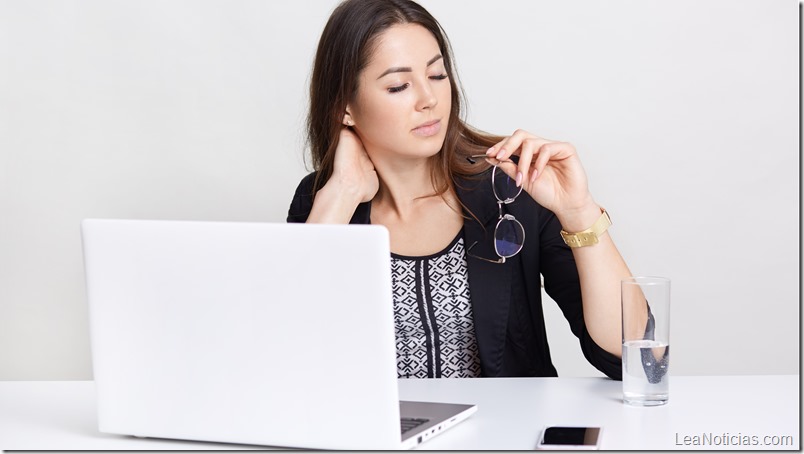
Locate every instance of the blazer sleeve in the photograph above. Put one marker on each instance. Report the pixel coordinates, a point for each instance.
(562, 283)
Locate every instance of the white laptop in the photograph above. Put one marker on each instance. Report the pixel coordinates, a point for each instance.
(252, 333)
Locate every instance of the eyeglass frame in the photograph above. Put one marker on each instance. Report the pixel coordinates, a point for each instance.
(502, 217)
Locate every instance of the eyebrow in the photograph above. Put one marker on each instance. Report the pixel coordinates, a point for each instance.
(407, 69)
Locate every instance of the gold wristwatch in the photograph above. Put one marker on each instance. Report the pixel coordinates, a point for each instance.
(589, 236)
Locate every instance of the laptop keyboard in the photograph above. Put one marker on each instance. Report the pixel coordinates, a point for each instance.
(411, 423)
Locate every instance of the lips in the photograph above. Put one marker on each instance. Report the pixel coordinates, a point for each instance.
(428, 129)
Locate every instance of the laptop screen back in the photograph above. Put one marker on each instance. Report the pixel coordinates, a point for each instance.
(270, 334)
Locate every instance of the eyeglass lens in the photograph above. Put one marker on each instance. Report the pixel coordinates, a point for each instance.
(509, 236)
(505, 188)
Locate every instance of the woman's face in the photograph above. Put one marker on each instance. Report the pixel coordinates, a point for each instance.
(402, 104)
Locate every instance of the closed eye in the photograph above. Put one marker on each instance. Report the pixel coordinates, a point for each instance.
(399, 88)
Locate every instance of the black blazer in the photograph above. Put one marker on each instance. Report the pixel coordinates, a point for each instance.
(506, 298)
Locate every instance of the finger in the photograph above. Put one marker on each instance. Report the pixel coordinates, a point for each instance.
(509, 168)
(510, 145)
(528, 150)
(493, 161)
(492, 151)
(550, 151)
(522, 168)
(542, 158)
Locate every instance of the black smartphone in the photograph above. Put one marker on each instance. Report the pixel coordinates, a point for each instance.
(573, 438)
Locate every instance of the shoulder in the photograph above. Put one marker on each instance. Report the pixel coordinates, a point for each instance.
(306, 184)
(475, 188)
(303, 198)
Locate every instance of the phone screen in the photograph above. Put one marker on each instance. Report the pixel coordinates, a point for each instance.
(571, 436)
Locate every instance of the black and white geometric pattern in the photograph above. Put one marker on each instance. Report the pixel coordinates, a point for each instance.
(435, 333)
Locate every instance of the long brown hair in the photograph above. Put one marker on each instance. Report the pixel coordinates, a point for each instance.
(344, 51)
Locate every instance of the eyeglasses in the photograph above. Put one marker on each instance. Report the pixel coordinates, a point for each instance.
(509, 235)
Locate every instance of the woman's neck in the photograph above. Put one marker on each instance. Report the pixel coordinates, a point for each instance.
(403, 184)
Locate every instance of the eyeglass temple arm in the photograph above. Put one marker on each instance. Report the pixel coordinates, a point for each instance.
(475, 157)
(469, 253)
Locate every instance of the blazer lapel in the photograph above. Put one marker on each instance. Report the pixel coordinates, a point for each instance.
(489, 283)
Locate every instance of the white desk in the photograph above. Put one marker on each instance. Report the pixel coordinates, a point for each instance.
(511, 413)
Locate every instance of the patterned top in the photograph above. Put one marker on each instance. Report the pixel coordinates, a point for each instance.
(435, 332)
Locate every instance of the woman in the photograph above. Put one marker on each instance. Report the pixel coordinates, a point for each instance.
(389, 147)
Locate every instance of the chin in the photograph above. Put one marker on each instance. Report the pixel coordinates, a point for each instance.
(416, 148)
(431, 150)
(431, 145)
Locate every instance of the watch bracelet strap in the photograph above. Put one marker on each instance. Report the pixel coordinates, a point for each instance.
(589, 236)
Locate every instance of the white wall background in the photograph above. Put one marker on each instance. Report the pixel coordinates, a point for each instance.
(685, 114)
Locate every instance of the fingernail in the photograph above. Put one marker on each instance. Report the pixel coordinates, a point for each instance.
(534, 175)
(518, 179)
(500, 153)
(490, 151)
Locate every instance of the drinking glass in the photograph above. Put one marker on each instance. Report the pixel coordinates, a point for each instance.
(646, 340)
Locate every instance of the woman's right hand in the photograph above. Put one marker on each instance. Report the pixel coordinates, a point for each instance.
(353, 181)
(353, 173)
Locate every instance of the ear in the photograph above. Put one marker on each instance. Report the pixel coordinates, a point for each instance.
(347, 118)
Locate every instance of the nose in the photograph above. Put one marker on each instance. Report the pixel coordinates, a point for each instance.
(427, 98)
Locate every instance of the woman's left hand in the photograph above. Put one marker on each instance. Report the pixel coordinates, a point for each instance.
(549, 171)
(552, 174)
